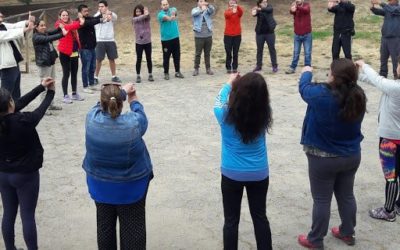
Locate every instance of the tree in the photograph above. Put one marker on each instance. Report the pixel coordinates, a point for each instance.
(27, 2)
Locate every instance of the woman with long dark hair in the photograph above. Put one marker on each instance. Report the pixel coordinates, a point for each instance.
(118, 167)
(331, 139)
(21, 157)
(141, 24)
(244, 114)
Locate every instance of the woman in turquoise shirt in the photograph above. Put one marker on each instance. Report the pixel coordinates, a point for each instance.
(243, 111)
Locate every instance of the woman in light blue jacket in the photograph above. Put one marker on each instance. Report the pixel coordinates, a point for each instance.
(244, 114)
(203, 31)
(118, 167)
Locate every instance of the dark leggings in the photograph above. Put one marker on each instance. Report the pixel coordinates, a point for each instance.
(19, 190)
(232, 45)
(139, 53)
(171, 47)
(232, 192)
(132, 226)
(69, 67)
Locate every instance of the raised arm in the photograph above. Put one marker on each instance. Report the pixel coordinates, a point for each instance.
(196, 11)
(369, 75)
(13, 34)
(28, 97)
(140, 18)
(70, 26)
(140, 116)
(41, 39)
(377, 11)
(308, 90)
(92, 21)
(221, 102)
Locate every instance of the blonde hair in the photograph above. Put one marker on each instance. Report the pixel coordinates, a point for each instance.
(111, 100)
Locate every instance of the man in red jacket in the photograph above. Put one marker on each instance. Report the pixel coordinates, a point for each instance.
(301, 12)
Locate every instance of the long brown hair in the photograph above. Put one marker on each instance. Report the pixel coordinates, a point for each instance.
(351, 96)
(249, 108)
(111, 100)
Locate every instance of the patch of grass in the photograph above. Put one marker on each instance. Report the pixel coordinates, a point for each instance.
(370, 19)
(367, 35)
(321, 34)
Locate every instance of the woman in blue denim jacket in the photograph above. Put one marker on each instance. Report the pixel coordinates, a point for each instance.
(331, 138)
(118, 167)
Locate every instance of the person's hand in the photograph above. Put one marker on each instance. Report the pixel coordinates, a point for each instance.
(293, 8)
(359, 64)
(233, 77)
(307, 69)
(146, 11)
(64, 31)
(128, 87)
(30, 27)
(234, 8)
(81, 19)
(31, 18)
(254, 11)
(204, 7)
(48, 83)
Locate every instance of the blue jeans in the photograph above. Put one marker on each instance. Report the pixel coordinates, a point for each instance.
(88, 58)
(306, 40)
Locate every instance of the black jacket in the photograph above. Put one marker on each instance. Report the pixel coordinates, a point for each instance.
(20, 147)
(45, 54)
(265, 21)
(343, 22)
(87, 34)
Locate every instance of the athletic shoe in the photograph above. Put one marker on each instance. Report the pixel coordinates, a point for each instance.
(116, 79)
(96, 81)
(93, 87)
(151, 79)
(302, 240)
(87, 90)
(138, 79)
(257, 69)
(195, 72)
(209, 72)
(228, 71)
(349, 240)
(77, 97)
(179, 75)
(381, 214)
(397, 209)
(234, 71)
(67, 99)
(290, 71)
(275, 69)
(54, 107)
(166, 76)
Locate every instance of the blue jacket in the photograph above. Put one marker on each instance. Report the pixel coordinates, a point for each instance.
(323, 128)
(197, 16)
(239, 161)
(115, 150)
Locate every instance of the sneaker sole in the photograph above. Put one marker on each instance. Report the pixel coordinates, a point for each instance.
(385, 219)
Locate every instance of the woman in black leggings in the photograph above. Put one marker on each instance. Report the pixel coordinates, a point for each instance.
(21, 156)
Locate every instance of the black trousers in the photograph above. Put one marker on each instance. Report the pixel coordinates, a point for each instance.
(261, 39)
(171, 47)
(11, 80)
(139, 54)
(132, 226)
(232, 192)
(232, 45)
(390, 47)
(69, 67)
(341, 41)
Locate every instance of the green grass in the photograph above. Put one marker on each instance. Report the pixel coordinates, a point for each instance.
(317, 34)
(370, 19)
(368, 35)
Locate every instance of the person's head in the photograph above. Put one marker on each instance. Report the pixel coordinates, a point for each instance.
(103, 6)
(164, 5)
(299, 2)
(63, 15)
(138, 10)
(40, 26)
(232, 3)
(343, 81)
(1, 17)
(393, 2)
(201, 2)
(261, 3)
(84, 10)
(249, 109)
(7, 106)
(111, 100)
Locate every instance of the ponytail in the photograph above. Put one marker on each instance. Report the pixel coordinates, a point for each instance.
(111, 100)
(113, 108)
(354, 104)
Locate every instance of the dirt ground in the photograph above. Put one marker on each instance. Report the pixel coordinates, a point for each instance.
(184, 205)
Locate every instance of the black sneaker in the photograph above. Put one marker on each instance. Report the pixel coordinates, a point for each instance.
(179, 75)
(166, 76)
(116, 79)
(151, 79)
(138, 79)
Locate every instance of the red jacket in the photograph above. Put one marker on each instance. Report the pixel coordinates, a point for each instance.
(302, 19)
(232, 22)
(65, 45)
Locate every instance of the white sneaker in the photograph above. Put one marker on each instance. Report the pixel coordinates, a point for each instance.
(87, 90)
(93, 88)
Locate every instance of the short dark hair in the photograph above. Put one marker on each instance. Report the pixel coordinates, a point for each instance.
(103, 2)
(140, 7)
(5, 99)
(81, 7)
